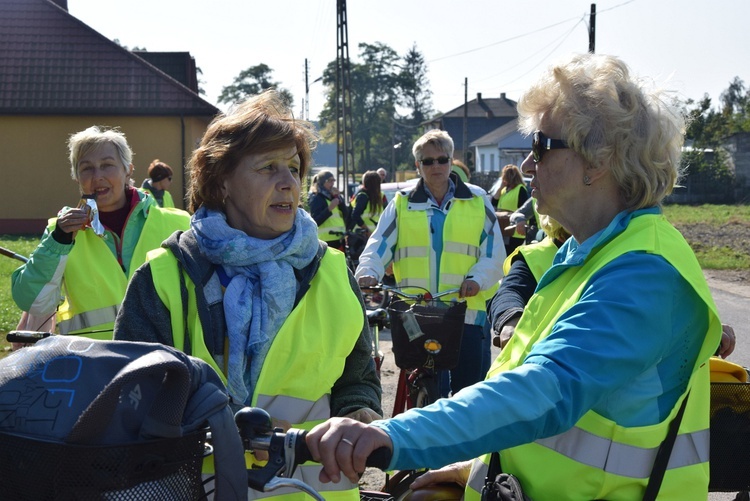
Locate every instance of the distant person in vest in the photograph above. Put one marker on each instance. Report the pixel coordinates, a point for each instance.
(270, 307)
(383, 174)
(507, 197)
(461, 169)
(89, 251)
(158, 182)
(368, 204)
(522, 270)
(452, 235)
(328, 209)
(615, 339)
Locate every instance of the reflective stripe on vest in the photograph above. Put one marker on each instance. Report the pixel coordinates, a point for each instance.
(591, 461)
(623, 459)
(300, 394)
(462, 232)
(538, 257)
(101, 319)
(297, 410)
(99, 298)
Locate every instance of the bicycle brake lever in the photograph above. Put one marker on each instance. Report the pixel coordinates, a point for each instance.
(260, 478)
(276, 483)
(291, 449)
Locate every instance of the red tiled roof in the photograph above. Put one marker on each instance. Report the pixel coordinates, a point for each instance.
(52, 63)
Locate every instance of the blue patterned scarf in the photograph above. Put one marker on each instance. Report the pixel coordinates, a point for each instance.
(258, 298)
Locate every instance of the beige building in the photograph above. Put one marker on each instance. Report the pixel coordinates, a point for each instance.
(59, 76)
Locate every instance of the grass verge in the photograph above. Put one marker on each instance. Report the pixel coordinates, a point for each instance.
(710, 255)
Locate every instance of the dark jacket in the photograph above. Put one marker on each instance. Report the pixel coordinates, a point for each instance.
(143, 317)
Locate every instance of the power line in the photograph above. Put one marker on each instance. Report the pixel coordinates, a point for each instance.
(542, 60)
(531, 56)
(504, 41)
(522, 35)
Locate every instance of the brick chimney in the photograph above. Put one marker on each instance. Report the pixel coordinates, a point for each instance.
(487, 111)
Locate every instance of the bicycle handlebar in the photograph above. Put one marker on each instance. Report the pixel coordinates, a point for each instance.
(286, 451)
(11, 254)
(26, 337)
(419, 297)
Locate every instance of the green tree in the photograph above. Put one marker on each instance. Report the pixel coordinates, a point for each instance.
(414, 87)
(373, 87)
(707, 163)
(250, 82)
(415, 101)
(379, 84)
(735, 102)
(708, 127)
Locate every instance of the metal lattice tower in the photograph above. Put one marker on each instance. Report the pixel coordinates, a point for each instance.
(344, 140)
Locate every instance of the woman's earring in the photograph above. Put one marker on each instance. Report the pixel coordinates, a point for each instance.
(587, 180)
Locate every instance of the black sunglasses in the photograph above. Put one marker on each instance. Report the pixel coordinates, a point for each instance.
(542, 143)
(441, 160)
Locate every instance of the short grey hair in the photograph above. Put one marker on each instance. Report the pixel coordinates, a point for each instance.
(435, 137)
(81, 143)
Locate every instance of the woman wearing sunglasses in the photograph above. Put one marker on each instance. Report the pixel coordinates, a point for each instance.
(442, 235)
(612, 347)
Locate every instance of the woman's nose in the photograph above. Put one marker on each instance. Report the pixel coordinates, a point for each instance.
(528, 167)
(286, 179)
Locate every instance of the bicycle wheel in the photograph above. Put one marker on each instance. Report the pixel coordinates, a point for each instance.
(425, 390)
(376, 299)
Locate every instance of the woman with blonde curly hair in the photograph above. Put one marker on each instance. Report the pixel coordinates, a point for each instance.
(611, 349)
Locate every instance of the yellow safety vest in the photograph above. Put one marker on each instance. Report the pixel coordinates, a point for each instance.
(94, 281)
(168, 202)
(300, 369)
(509, 201)
(462, 232)
(334, 223)
(598, 458)
(538, 256)
(371, 220)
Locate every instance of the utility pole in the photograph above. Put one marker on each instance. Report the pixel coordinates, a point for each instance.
(592, 29)
(466, 121)
(306, 104)
(344, 127)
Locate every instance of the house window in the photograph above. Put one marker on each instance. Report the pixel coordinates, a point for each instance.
(481, 162)
(492, 162)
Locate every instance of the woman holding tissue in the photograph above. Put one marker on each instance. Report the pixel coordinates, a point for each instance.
(88, 252)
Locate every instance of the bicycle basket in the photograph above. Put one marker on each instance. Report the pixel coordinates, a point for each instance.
(730, 436)
(167, 468)
(437, 341)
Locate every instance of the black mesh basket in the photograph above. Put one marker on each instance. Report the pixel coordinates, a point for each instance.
(730, 437)
(437, 342)
(164, 469)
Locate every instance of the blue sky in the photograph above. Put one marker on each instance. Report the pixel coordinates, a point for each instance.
(689, 46)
